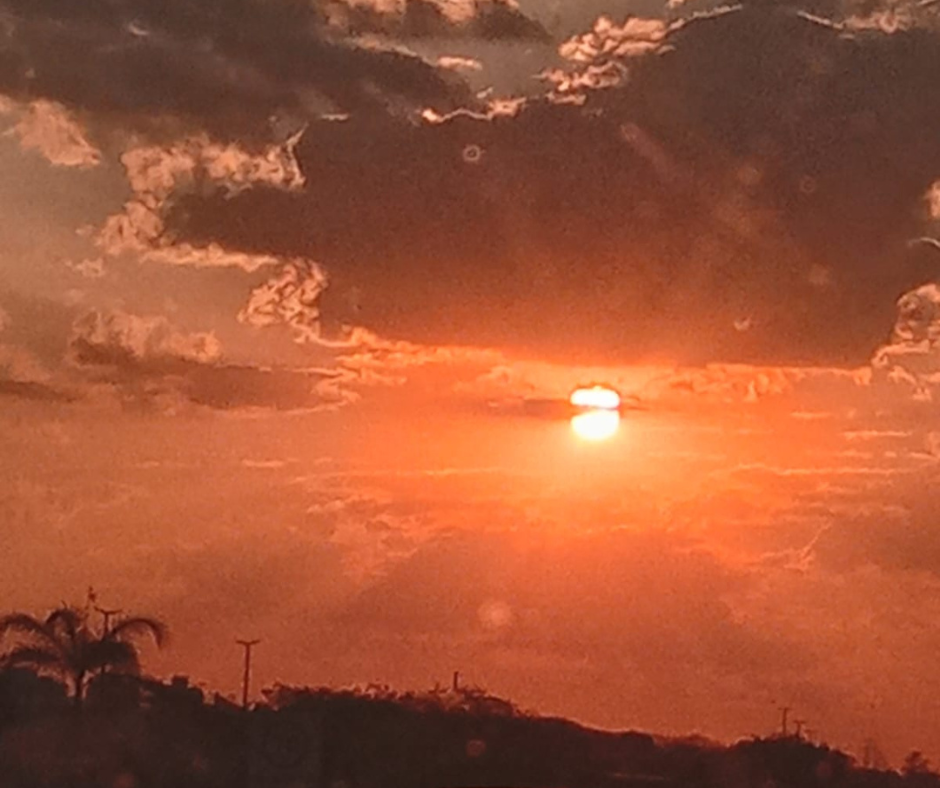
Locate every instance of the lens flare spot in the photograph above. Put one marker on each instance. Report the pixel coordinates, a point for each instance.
(495, 615)
(472, 153)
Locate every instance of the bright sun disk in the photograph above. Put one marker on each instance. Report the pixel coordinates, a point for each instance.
(595, 397)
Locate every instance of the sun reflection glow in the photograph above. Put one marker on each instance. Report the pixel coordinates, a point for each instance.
(596, 425)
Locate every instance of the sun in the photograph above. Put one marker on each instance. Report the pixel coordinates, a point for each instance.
(595, 397)
(596, 425)
(599, 413)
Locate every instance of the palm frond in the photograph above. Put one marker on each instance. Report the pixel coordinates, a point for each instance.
(135, 627)
(25, 624)
(113, 655)
(66, 619)
(33, 656)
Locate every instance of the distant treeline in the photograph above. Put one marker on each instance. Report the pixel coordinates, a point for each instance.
(135, 732)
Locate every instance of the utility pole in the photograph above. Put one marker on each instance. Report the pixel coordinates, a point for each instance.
(456, 682)
(248, 645)
(784, 711)
(799, 727)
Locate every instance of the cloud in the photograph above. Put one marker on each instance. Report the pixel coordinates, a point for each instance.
(888, 16)
(290, 297)
(456, 62)
(89, 268)
(363, 350)
(32, 391)
(786, 390)
(217, 68)
(49, 128)
(489, 20)
(22, 375)
(21, 366)
(158, 175)
(599, 59)
(607, 44)
(648, 224)
(912, 356)
(222, 572)
(121, 339)
(156, 172)
(146, 361)
(868, 513)
(150, 363)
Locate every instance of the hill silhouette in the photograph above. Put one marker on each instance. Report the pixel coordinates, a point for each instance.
(134, 731)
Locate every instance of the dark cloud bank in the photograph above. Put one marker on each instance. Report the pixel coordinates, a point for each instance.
(746, 194)
(226, 66)
(743, 191)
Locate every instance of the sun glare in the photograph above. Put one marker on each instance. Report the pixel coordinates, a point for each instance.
(599, 416)
(596, 425)
(595, 397)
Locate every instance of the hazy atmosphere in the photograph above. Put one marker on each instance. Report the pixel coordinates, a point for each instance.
(293, 296)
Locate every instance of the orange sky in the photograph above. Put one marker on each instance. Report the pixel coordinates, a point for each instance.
(286, 344)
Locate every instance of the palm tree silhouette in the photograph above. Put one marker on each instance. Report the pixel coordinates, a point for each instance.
(66, 644)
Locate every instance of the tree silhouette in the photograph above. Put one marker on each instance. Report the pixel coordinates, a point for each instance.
(915, 763)
(66, 644)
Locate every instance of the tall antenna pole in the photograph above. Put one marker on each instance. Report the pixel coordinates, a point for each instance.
(107, 617)
(784, 711)
(248, 645)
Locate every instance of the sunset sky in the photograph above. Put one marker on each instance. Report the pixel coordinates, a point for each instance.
(289, 290)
